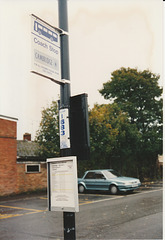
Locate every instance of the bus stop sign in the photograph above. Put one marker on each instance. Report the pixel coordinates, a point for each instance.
(46, 55)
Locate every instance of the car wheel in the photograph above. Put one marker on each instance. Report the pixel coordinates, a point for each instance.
(113, 189)
(81, 189)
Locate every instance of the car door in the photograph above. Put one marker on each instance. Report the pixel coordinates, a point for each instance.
(89, 181)
(100, 181)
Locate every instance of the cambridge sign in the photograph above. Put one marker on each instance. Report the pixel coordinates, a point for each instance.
(46, 55)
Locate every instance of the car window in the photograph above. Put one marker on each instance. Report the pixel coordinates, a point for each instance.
(111, 174)
(94, 175)
(99, 176)
(90, 175)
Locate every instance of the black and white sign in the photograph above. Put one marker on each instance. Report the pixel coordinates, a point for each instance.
(46, 55)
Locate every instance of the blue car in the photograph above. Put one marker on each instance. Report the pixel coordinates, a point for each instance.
(107, 180)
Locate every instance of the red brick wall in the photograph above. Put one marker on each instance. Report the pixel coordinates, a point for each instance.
(31, 181)
(13, 177)
(8, 155)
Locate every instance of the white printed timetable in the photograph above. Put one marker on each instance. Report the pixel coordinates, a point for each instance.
(46, 55)
(63, 189)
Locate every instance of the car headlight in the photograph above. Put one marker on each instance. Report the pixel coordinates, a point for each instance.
(124, 183)
(127, 183)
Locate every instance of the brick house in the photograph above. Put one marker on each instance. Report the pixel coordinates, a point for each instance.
(21, 169)
(31, 168)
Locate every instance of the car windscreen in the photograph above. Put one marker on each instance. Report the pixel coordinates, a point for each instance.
(111, 174)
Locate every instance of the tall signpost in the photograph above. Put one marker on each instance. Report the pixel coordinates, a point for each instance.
(69, 217)
(50, 59)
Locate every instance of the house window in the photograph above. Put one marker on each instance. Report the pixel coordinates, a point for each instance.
(32, 168)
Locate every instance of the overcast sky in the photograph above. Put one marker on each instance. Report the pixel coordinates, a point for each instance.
(104, 35)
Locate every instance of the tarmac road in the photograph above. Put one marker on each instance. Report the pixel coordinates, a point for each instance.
(134, 216)
(101, 216)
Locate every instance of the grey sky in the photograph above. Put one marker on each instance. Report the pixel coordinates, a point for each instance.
(104, 35)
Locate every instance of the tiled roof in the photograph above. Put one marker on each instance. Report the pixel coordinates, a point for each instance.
(27, 148)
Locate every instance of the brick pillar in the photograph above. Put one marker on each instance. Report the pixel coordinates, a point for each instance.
(8, 156)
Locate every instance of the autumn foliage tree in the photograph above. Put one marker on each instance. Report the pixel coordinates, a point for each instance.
(112, 138)
(138, 94)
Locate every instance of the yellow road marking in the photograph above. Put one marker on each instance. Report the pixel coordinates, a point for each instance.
(3, 216)
(87, 202)
(81, 202)
(26, 209)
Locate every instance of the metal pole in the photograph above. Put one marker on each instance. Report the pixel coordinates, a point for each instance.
(63, 24)
(65, 70)
(69, 217)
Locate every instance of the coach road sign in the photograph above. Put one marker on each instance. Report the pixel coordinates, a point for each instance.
(46, 55)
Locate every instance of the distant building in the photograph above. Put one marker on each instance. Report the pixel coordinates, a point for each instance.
(28, 150)
(21, 167)
(31, 167)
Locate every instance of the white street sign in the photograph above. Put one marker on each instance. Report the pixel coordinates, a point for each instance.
(64, 128)
(46, 55)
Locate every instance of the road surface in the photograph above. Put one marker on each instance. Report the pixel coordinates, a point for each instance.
(102, 216)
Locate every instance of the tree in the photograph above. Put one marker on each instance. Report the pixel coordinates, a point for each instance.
(138, 94)
(102, 135)
(112, 138)
(48, 134)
